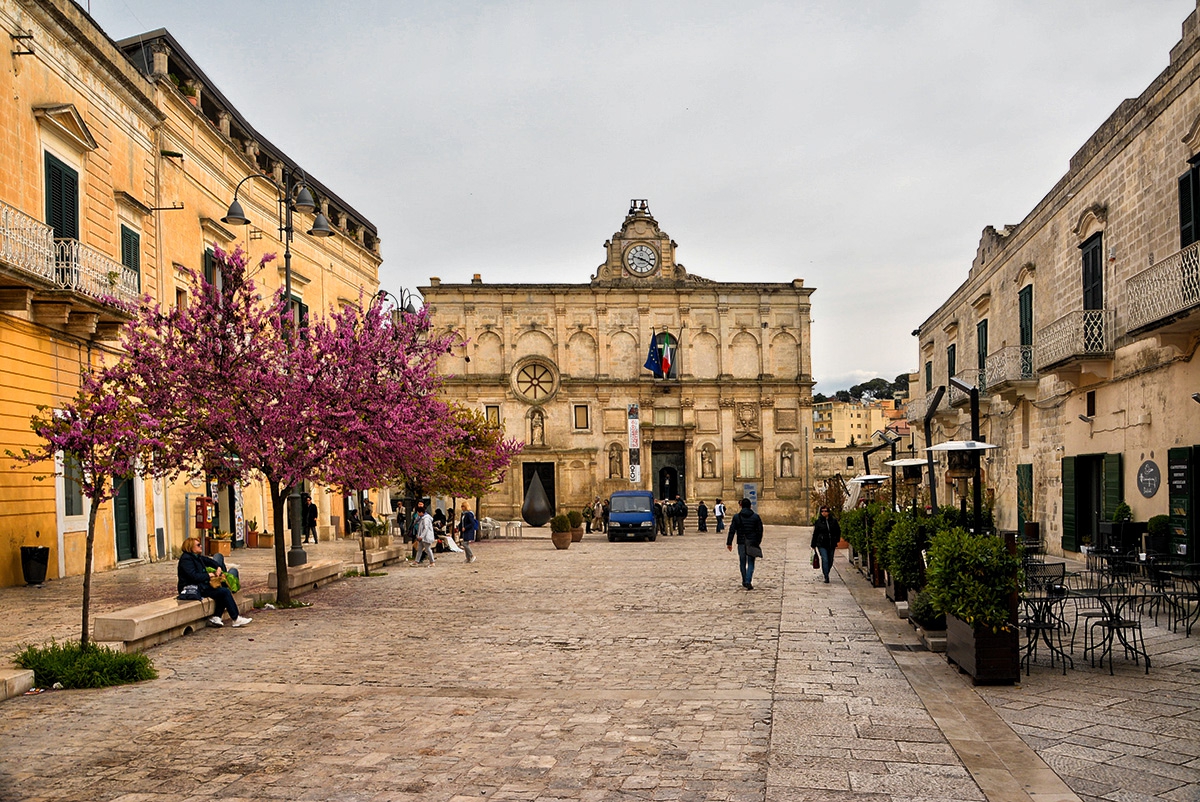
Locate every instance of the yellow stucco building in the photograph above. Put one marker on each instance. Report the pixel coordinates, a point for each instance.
(119, 161)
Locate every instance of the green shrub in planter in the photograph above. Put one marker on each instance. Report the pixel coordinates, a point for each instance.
(74, 665)
(854, 528)
(920, 609)
(972, 578)
(904, 545)
(575, 518)
(1159, 526)
(882, 522)
(1122, 513)
(560, 523)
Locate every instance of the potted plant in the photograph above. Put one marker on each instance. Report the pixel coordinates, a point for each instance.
(973, 580)
(266, 540)
(905, 566)
(252, 533)
(575, 518)
(218, 543)
(930, 624)
(560, 531)
(1158, 534)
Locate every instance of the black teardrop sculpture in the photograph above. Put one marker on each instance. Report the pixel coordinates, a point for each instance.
(536, 509)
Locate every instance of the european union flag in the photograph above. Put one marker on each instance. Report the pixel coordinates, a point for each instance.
(653, 362)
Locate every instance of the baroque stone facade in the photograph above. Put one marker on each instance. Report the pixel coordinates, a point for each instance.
(560, 365)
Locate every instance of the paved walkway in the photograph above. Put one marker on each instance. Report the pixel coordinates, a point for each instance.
(611, 671)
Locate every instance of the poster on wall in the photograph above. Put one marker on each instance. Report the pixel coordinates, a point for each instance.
(635, 445)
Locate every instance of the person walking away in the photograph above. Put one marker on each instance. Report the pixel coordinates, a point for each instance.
(681, 512)
(604, 514)
(660, 525)
(193, 570)
(467, 529)
(425, 535)
(747, 527)
(701, 517)
(825, 537)
(719, 514)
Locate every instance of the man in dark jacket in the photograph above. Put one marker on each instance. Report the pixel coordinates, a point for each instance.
(747, 527)
(825, 537)
(702, 517)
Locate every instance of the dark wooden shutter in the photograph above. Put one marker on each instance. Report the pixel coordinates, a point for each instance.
(210, 266)
(981, 351)
(1025, 306)
(62, 199)
(1112, 486)
(131, 252)
(1070, 538)
(928, 377)
(951, 361)
(1093, 272)
(1187, 208)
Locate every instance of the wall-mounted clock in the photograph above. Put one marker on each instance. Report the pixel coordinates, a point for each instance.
(641, 260)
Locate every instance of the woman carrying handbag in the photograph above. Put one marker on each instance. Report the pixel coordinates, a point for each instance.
(825, 537)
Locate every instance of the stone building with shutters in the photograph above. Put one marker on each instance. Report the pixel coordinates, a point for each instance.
(1080, 327)
(561, 366)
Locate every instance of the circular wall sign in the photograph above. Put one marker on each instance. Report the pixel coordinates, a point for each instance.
(1148, 479)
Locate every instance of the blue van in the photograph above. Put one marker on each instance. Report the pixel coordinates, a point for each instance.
(631, 515)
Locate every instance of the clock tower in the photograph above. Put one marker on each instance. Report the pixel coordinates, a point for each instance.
(640, 250)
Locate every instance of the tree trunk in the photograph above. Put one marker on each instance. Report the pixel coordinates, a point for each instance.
(87, 561)
(279, 496)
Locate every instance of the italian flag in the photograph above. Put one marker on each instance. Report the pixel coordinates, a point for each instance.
(666, 355)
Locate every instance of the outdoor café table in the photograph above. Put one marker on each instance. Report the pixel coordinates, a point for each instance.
(1042, 620)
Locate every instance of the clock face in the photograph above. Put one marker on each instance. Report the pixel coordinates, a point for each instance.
(641, 259)
(535, 381)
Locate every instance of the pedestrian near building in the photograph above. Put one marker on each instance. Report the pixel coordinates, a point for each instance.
(681, 512)
(701, 516)
(719, 514)
(604, 514)
(193, 570)
(310, 518)
(825, 537)
(467, 529)
(747, 528)
(425, 535)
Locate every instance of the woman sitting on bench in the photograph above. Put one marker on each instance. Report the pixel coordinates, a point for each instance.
(193, 570)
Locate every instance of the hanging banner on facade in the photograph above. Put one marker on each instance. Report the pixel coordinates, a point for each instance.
(635, 445)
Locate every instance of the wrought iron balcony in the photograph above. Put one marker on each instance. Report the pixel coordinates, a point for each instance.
(978, 378)
(90, 272)
(1166, 289)
(914, 410)
(1086, 334)
(26, 245)
(1010, 365)
(30, 253)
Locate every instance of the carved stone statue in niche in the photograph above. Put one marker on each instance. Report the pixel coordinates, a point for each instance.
(785, 461)
(614, 462)
(707, 462)
(537, 428)
(747, 417)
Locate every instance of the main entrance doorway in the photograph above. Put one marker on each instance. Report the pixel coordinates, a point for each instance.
(669, 469)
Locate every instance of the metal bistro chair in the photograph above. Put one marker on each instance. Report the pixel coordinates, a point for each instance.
(1183, 596)
(1042, 575)
(1041, 618)
(1083, 587)
(1121, 621)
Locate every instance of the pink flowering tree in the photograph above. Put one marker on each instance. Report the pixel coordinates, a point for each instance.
(238, 389)
(474, 456)
(104, 431)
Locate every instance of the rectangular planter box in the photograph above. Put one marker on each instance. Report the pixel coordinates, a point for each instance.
(894, 592)
(990, 658)
(212, 547)
(266, 541)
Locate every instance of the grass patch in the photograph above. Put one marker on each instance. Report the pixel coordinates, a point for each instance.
(73, 665)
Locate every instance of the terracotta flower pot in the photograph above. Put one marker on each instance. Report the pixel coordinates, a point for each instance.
(561, 540)
(576, 534)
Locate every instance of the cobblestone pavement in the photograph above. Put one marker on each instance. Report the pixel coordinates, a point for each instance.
(626, 671)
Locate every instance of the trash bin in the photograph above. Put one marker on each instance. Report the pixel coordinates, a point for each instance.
(34, 560)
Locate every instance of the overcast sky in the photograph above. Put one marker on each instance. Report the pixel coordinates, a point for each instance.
(861, 146)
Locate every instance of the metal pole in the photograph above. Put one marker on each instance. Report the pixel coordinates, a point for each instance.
(978, 494)
(930, 411)
(296, 555)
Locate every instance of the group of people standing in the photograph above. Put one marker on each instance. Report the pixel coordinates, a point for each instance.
(425, 530)
(596, 514)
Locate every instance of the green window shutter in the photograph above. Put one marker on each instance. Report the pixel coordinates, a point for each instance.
(951, 361)
(1024, 495)
(1093, 272)
(131, 252)
(1070, 538)
(981, 351)
(210, 266)
(929, 377)
(1112, 485)
(62, 199)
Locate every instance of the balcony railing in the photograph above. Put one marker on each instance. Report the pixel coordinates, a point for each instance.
(1013, 363)
(1165, 289)
(915, 410)
(90, 272)
(978, 378)
(1082, 334)
(26, 244)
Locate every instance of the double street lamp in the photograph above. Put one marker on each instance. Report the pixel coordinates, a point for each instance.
(293, 196)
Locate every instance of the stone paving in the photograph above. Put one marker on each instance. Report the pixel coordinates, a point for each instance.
(622, 671)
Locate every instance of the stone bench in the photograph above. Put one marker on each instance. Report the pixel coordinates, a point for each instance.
(310, 576)
(137, 628)
(14, 681)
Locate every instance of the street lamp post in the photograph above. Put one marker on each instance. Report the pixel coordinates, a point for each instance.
(977, 494)
(293, 196)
